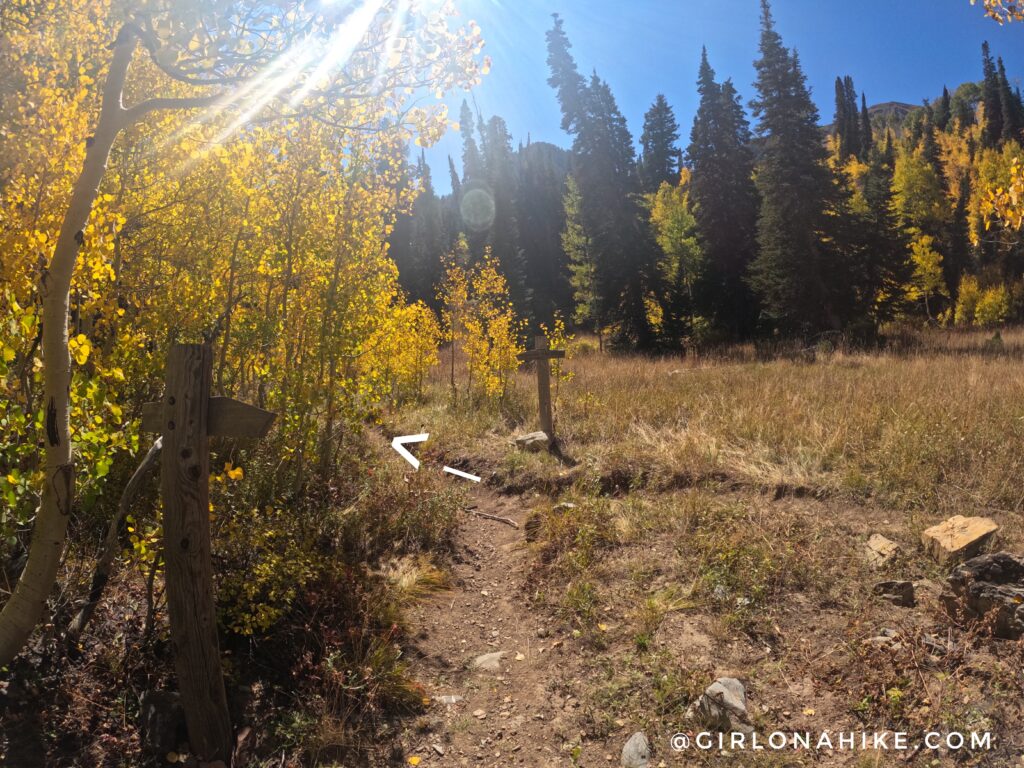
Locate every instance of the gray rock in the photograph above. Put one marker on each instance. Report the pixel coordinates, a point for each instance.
(899, 593)
(488, 662)
(163, 721)
(991, 586)
(636, 753)
(534, 442)
(450, 700)
(723, 706)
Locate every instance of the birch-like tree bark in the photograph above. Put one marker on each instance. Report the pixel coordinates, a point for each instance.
(25, 607)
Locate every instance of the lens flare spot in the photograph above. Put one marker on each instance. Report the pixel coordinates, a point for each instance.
(477, 208)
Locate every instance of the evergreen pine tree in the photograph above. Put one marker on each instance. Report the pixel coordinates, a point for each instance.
(503, 234)
(476, 201)
(543, 169)
(886, 256)
(576, 242)
(428, 238)
(841, 121)
(453, 175)
(451, 216)
(724, 203)
(867, 138)
(849, 123)
(604, 165)
(661, 157)
(958, 259)
(472, 161)
(565, 78)
(1010, 106)
(992, 99)
(852, 117)
(943, 111)
(792, 272)
(930, 148)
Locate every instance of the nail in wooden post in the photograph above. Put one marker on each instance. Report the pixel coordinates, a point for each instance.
(543, 357)
(186, 417)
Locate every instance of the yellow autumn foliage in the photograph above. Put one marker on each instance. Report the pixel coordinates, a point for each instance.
(265, 238)
(481, 324)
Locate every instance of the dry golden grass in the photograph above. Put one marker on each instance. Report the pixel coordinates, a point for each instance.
(939, 429)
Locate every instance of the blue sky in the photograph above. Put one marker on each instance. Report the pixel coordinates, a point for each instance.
(896, 50)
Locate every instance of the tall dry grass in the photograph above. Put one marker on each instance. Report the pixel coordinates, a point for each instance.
(939, 428)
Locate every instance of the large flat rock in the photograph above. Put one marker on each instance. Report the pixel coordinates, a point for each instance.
(958, 538)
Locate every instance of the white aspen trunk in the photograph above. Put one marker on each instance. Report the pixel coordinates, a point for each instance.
(26, 605)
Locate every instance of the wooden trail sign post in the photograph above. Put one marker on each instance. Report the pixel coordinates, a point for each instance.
(186, 417)
(543, 357)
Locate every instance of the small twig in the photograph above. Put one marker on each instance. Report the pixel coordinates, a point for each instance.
(505, 520)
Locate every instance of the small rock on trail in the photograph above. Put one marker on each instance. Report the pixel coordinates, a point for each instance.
(487, 662)
(636, 753)
(880, 551)
(723, 706)
(534, 442)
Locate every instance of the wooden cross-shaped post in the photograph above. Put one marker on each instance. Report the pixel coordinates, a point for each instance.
(543, 357)
(186, 417)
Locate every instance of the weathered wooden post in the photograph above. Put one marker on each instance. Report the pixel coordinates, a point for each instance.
(543, 357)
(186, 417)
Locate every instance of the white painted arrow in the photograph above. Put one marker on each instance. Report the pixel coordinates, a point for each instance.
(399, 444)
(460, 473)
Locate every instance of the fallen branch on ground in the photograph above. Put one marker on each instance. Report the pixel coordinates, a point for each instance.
(474, 511)
(110, 547)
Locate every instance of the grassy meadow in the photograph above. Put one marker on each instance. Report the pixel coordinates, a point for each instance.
(934, 429)
(718, 509)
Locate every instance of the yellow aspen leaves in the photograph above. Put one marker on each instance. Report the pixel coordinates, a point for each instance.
(480, 321)
(80, 347)
(1006, 204)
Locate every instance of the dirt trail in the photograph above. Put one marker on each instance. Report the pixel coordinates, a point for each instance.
(517, 713)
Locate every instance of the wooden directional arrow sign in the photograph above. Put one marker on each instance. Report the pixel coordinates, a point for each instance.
(225, 417)
(186, 417)
(543, 356)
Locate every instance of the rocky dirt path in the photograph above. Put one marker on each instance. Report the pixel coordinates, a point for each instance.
(496, 674)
